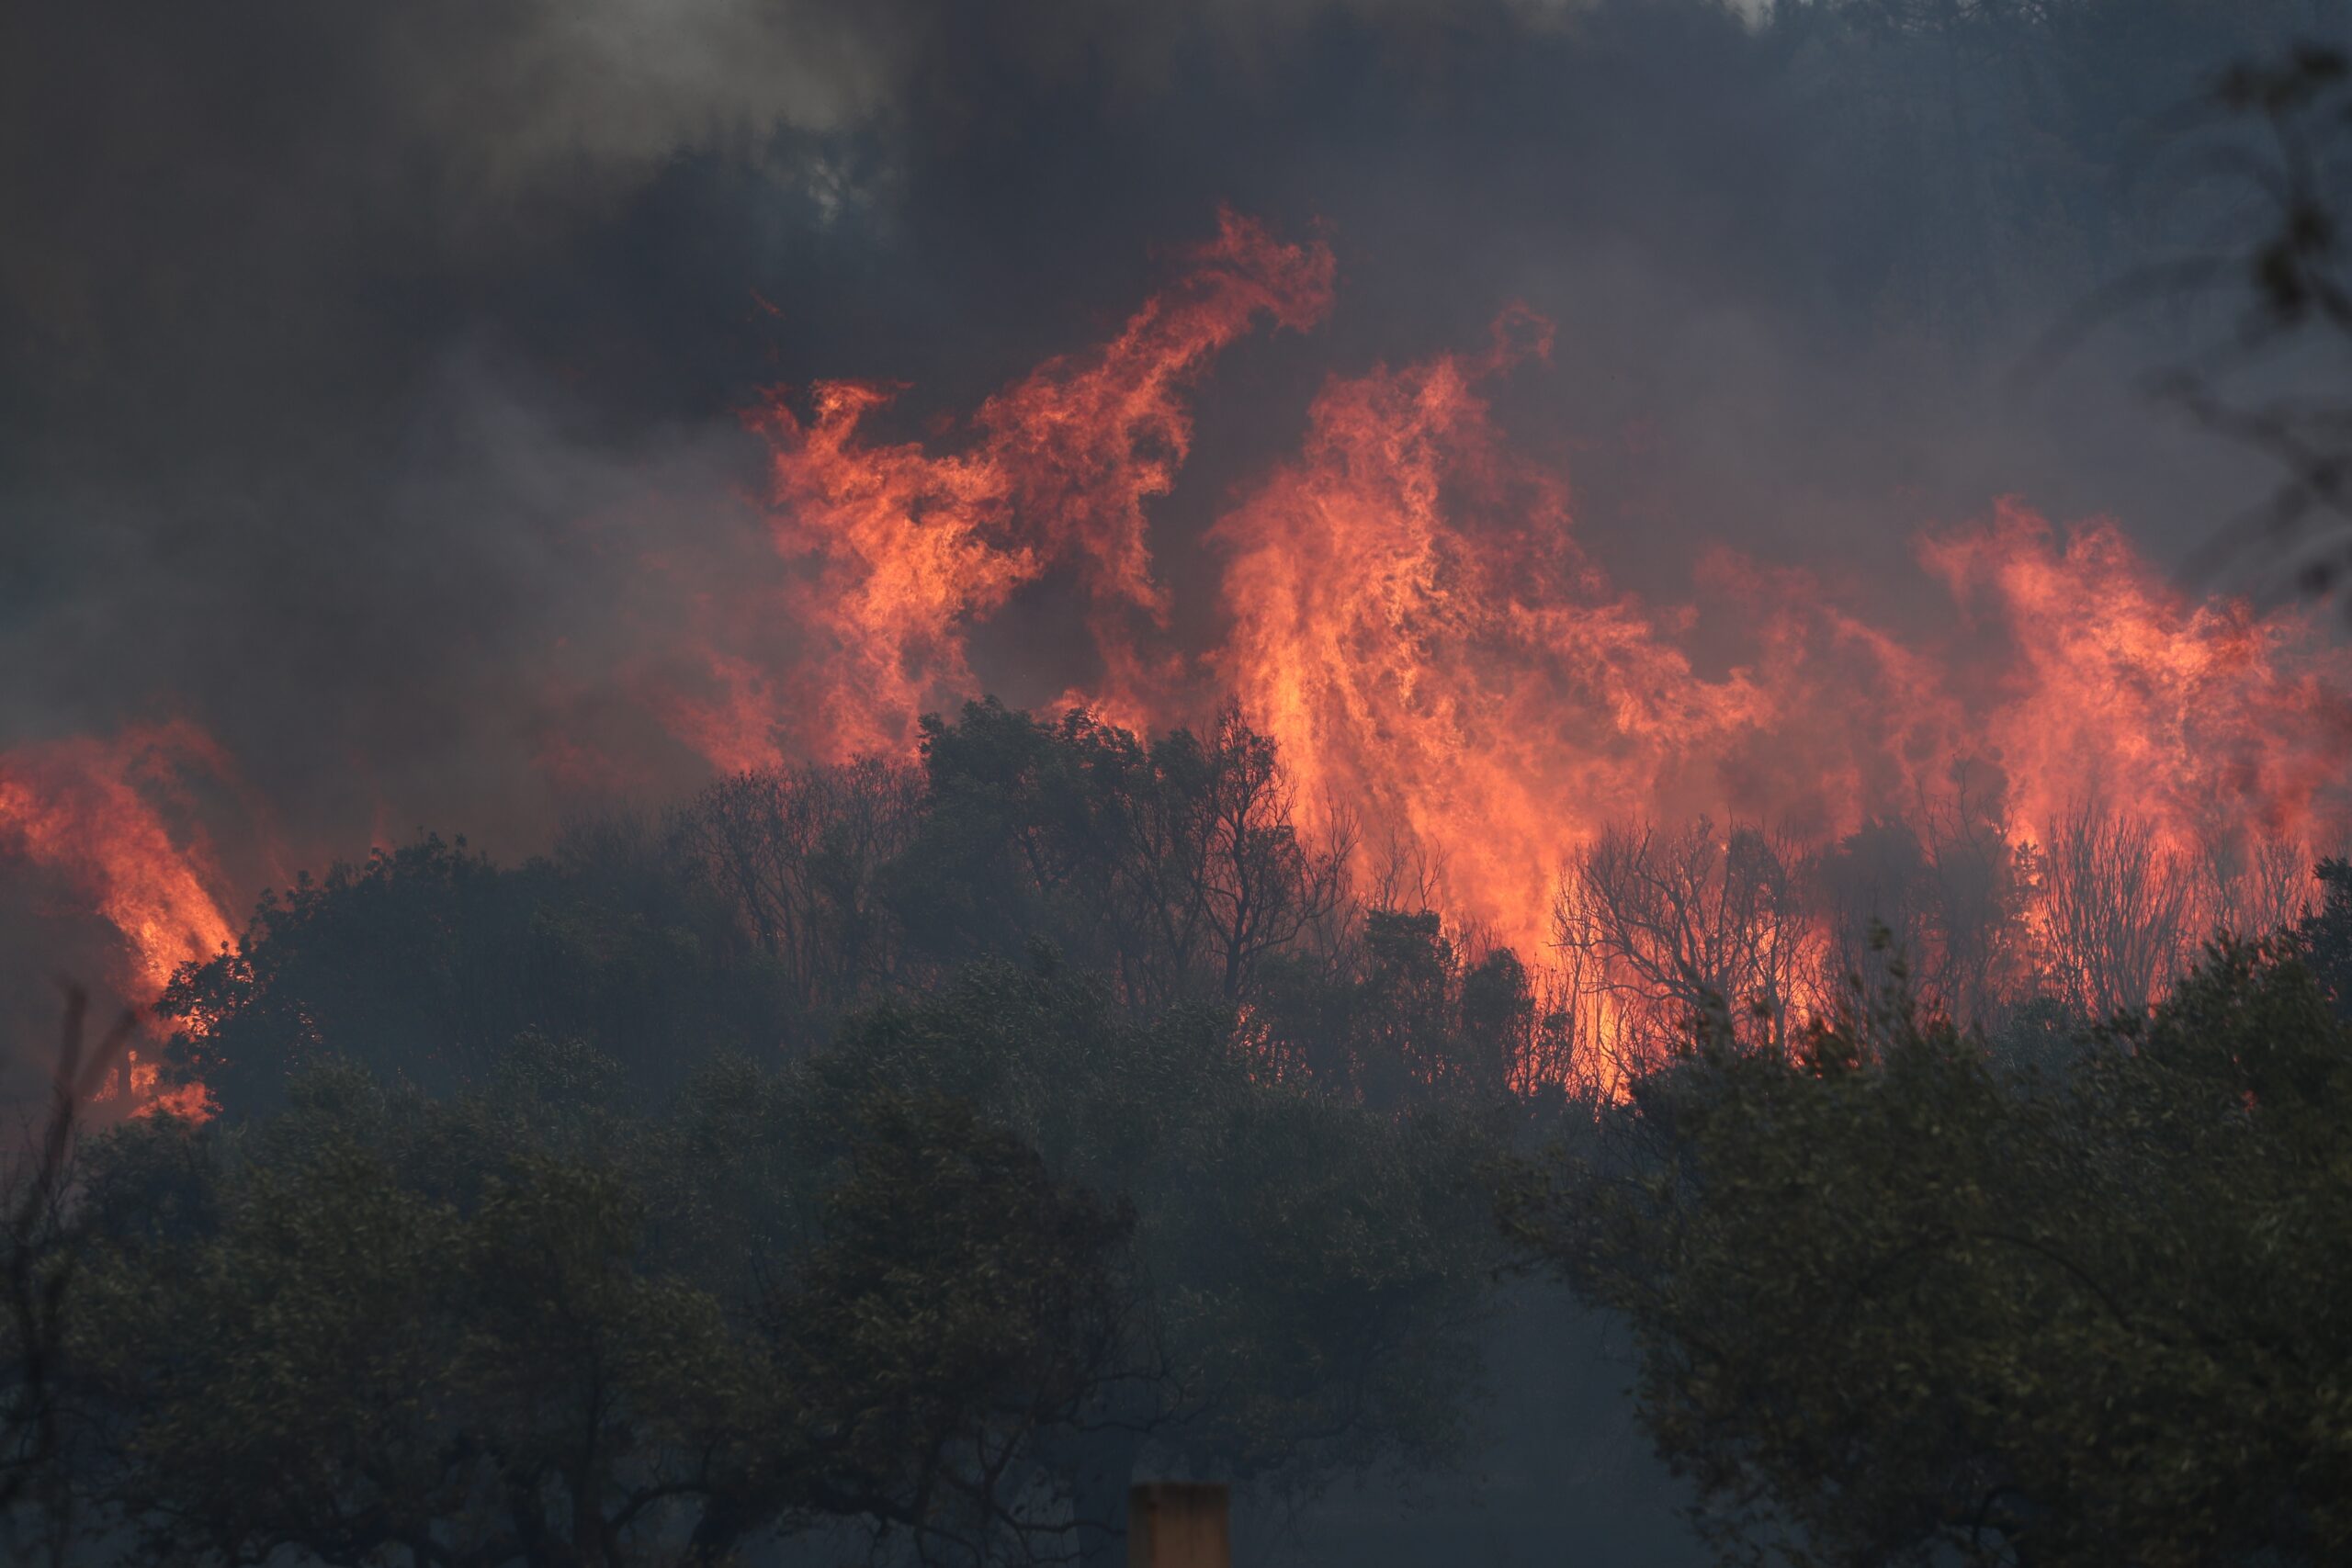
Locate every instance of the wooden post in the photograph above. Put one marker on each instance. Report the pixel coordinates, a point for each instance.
(1178, 1524)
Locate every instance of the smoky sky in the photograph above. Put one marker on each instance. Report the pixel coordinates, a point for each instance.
(355, 361)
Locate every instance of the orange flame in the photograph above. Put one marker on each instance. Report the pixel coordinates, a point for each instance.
(2203, 718)
(898, 549)
(83, 808)
(1411, 617)
(87, 810)
(1415, 624)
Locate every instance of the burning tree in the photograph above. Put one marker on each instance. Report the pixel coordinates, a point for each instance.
(2117, 905)
(1680, 925)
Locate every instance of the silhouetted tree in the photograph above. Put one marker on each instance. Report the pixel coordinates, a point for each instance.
(430, 963)
(1682, 923)
(799, 854)
(1314, 1267)
(2117, 905)
(1176, 866)
(1898, 1302)
(1396, 1017)
(460, 1332)
(41, 1262)
(2325, 935)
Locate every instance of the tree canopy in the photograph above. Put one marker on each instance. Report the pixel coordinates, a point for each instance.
(492, 1329)
(1898, 1299)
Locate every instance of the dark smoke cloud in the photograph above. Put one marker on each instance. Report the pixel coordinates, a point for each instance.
(355, 358)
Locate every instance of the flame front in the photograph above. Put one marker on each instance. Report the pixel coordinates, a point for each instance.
(893, 550)
(1415, 624)
(85, 809)
(1408, 610)
(91, 813)
(1411, 615)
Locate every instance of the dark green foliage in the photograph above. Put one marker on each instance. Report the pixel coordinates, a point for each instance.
(1018, 1226)
(775, 903)
(450, 1330)
(956, 1274)
(952, 1276)
(1396, 1017)
(1312, 1267)
(42, 1260)
(797, 859)
(395, 1325)
(1898, 1303)
(429, 963)
(1111, 1134)
(1175, 867)
(1007, 831)
(2325, 935)
(960, 1307)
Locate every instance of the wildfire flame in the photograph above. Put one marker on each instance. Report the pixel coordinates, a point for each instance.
(1410, 613)
(2203, 718)
(1413, 620)
(87, 811)
(898, 549)
(1415, 626)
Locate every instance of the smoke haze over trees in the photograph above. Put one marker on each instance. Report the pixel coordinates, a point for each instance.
(863, 765)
